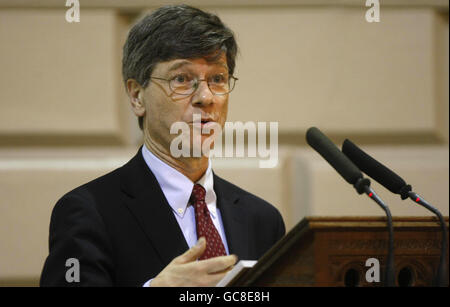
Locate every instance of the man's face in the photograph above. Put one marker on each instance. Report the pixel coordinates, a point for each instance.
(163, 107)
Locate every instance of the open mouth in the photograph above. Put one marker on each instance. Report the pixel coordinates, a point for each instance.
(204, 121)
(207, 121)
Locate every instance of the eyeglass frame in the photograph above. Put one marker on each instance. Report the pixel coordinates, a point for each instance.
(197, 85)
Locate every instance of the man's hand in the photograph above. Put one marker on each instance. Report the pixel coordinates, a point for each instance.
(186, 271)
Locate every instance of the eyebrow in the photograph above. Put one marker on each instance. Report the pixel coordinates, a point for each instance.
(182, 63)
(178, 65)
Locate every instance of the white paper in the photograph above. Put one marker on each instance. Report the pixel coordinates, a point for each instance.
(241, 265)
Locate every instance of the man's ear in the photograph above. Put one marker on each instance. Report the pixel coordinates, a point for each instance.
(136, 93)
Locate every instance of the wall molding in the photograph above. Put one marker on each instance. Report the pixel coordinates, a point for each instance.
(143, 4)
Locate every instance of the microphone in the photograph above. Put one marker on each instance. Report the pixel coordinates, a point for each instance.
(317, 140)
(351, 173)
(397, 185)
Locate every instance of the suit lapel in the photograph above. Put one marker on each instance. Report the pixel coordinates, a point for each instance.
(146, 201)
(234, 218)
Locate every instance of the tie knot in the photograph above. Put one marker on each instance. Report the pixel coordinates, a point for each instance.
(198, 193)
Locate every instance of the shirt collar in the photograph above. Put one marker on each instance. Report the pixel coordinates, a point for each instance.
(177, 188)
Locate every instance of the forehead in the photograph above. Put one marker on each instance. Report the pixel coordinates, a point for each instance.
(219, 61)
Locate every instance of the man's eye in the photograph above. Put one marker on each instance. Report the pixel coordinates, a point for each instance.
(218, 79)
(182, 78)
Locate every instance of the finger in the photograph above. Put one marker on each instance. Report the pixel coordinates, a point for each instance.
(223, 271)
(193, 253)
(218, 264)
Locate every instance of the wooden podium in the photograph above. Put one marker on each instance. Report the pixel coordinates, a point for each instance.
(333, 252)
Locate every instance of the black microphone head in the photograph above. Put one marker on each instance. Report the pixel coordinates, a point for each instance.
(330, 152)
(376, 170)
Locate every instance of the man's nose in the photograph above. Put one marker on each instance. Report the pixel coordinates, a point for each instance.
(202, 95)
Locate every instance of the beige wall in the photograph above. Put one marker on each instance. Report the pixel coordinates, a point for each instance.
(64, 117)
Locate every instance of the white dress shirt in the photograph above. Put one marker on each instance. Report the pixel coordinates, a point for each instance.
(177, 189)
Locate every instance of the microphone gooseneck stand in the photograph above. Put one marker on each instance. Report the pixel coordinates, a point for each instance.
(363, 186)
(397, 185)
(441, 275)
(352, 174)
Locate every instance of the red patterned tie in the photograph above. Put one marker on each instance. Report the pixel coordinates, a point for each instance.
(205, 226)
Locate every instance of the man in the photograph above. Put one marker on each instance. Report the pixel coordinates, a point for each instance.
(160, 220)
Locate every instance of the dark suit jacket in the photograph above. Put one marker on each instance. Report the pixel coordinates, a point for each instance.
(123, 232)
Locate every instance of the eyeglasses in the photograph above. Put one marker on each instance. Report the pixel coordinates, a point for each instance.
(186, 84)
